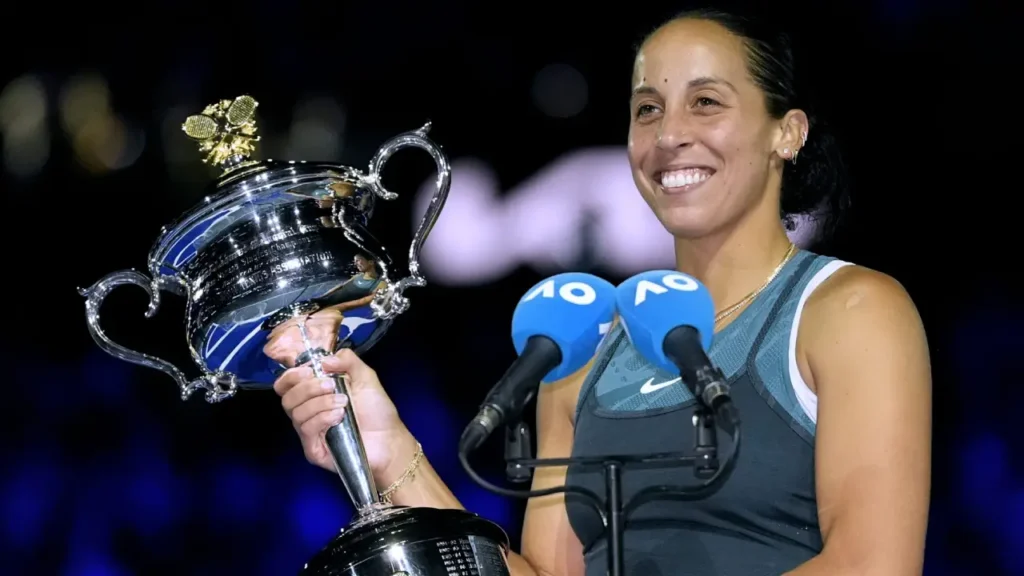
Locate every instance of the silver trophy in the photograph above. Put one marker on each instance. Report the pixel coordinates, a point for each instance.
(278, 270)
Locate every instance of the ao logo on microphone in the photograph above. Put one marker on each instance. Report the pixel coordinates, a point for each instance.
(578, 293)
(679, 282)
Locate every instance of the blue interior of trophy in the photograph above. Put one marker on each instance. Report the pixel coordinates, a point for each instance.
(278, 241)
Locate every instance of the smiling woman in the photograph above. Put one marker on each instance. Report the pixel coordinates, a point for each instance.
(736, 109)
(827, 361)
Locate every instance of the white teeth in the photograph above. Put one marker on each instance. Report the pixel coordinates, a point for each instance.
(680, 178)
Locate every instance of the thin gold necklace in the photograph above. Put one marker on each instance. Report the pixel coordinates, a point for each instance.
(749, 297)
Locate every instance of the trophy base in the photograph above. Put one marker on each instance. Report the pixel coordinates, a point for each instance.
(399, 541)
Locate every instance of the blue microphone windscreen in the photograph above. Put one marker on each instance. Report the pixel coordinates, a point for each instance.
(651, 304)
(574, 310)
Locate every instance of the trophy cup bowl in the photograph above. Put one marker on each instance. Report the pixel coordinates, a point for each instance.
(278, 270)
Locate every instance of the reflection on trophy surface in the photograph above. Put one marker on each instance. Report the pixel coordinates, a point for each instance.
(279, 269)
(341, 311)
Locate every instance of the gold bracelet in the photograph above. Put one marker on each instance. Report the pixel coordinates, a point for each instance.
(410, 471)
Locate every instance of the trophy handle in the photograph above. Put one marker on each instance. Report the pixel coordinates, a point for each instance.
(218, 386)
(395, 301)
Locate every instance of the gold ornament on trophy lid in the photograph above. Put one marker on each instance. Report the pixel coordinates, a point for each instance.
(226, 131)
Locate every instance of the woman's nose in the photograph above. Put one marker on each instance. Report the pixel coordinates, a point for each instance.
(674, 132)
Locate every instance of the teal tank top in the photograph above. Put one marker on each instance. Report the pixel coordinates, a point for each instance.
(763, 519)
(359, 287)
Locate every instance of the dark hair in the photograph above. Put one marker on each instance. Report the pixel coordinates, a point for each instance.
(816, 185)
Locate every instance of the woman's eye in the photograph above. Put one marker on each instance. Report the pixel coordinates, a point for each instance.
(704, 102)
(645, 110)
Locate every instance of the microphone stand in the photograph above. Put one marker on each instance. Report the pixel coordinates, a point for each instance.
(613, 511)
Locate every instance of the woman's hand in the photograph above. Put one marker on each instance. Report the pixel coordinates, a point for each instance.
(313, 406)
(285, 342)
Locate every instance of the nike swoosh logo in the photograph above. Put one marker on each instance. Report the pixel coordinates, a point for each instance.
(650, 386)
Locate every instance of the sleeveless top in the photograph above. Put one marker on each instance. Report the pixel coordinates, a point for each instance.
(358, 287)
(763, 519)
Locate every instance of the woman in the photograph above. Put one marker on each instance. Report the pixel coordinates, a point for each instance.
(715, 134)
(356, 291)
(323, 327)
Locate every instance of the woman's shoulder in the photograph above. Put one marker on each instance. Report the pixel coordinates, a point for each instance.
(858, 302)
(562, 395)
(852, 285)
(857, 317)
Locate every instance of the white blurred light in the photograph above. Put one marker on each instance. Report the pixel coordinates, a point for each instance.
(481, 236)
(23, 113)
(560, 91)
(462, 245)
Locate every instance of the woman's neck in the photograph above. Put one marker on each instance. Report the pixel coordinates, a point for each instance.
(734, 262)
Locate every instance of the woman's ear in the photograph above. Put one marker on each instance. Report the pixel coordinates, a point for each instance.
(792, 134)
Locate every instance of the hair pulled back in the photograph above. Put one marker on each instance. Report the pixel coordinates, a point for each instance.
(816, 185)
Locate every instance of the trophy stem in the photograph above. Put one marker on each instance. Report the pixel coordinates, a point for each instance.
(344, 442)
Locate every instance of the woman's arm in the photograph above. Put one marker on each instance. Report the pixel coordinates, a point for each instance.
(352, 304)
(550, 548)
(365, 300)
(549, 543)
(339, 286)
(863, 349)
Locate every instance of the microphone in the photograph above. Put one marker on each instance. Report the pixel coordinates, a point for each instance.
(556, 329)
(670, 319)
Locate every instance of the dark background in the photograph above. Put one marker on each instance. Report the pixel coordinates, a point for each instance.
(105, 472)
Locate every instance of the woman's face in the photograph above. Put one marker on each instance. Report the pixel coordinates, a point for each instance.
(362, 264)
(701, 141)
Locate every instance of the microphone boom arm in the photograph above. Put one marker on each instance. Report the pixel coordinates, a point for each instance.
(612, 511)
